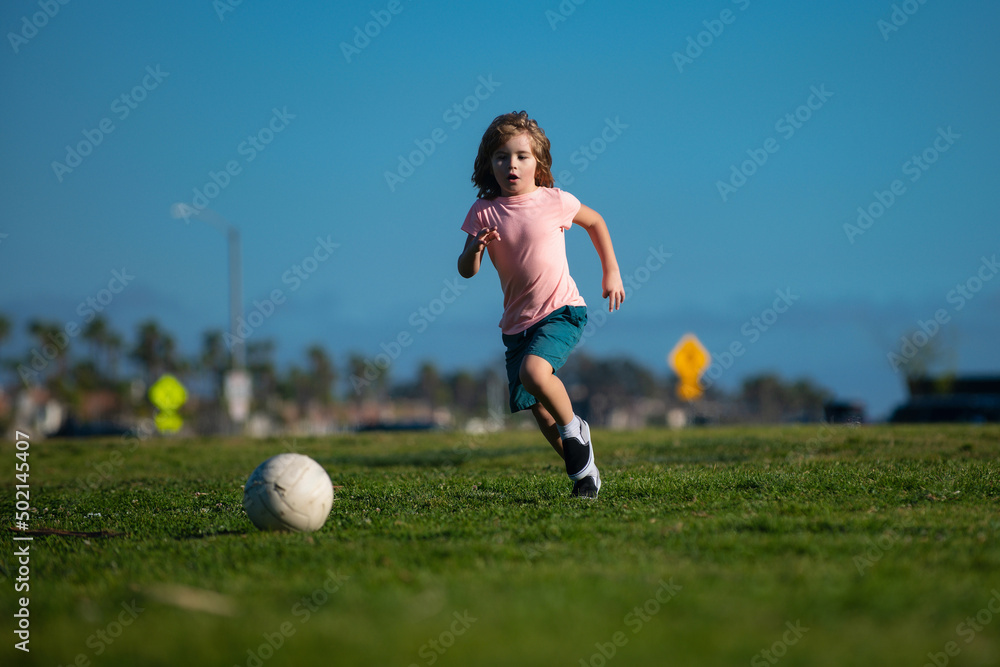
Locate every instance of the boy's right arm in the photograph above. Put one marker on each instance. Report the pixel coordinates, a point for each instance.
(472, 253)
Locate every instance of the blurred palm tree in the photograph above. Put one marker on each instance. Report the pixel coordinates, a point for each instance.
(215, 359)
(373, 385)
(431, 386)
(105, 347)
(155, 351)
(94, 333)
(50, 337)
(322, 373)
(260, 363)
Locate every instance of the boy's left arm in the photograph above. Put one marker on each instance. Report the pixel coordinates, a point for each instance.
(611, 284)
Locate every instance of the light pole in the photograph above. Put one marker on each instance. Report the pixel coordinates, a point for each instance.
(237, 348)
(238, 388)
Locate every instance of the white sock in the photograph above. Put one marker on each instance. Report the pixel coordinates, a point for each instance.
(571, 430)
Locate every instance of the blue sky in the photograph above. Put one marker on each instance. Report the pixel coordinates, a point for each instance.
(640, 134)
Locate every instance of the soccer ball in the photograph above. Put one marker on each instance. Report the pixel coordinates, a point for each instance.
(288, 492)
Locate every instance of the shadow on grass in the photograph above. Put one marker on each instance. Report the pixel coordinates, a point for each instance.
(707, 457)
(438, 458)
(215, 533)
(57, 532)
(457, 456)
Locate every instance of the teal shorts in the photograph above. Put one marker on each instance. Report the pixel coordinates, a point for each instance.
(552, 339)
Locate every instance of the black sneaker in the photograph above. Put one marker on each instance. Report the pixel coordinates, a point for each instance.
(579, 454)
(588, 487)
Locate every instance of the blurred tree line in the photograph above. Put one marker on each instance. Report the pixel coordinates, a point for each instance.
(99, 375)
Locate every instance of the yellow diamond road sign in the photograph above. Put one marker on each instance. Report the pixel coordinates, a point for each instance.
(689, 359)
(168, 421)
(168, 393)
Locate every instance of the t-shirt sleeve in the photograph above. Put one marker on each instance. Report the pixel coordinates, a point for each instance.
(570, 207)
(472, 223)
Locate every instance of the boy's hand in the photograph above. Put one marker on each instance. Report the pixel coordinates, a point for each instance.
(486, 236)
(613, 290)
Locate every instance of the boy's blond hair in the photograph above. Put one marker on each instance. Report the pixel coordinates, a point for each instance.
(500, 131)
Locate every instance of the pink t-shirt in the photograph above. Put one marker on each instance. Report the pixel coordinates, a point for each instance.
(530, 256)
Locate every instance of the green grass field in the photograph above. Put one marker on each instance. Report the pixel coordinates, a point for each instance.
(801, 545)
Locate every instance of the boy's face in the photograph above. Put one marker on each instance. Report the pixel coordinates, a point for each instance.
(514, 166)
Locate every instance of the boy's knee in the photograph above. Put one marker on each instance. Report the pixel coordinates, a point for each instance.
(533, 372)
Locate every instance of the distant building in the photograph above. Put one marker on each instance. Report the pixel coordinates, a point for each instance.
(951, 399)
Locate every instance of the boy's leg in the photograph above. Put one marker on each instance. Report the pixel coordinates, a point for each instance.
(547, 425)
(538, 378)
(540, 381)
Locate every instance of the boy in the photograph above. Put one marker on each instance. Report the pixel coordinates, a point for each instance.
(519, 218)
